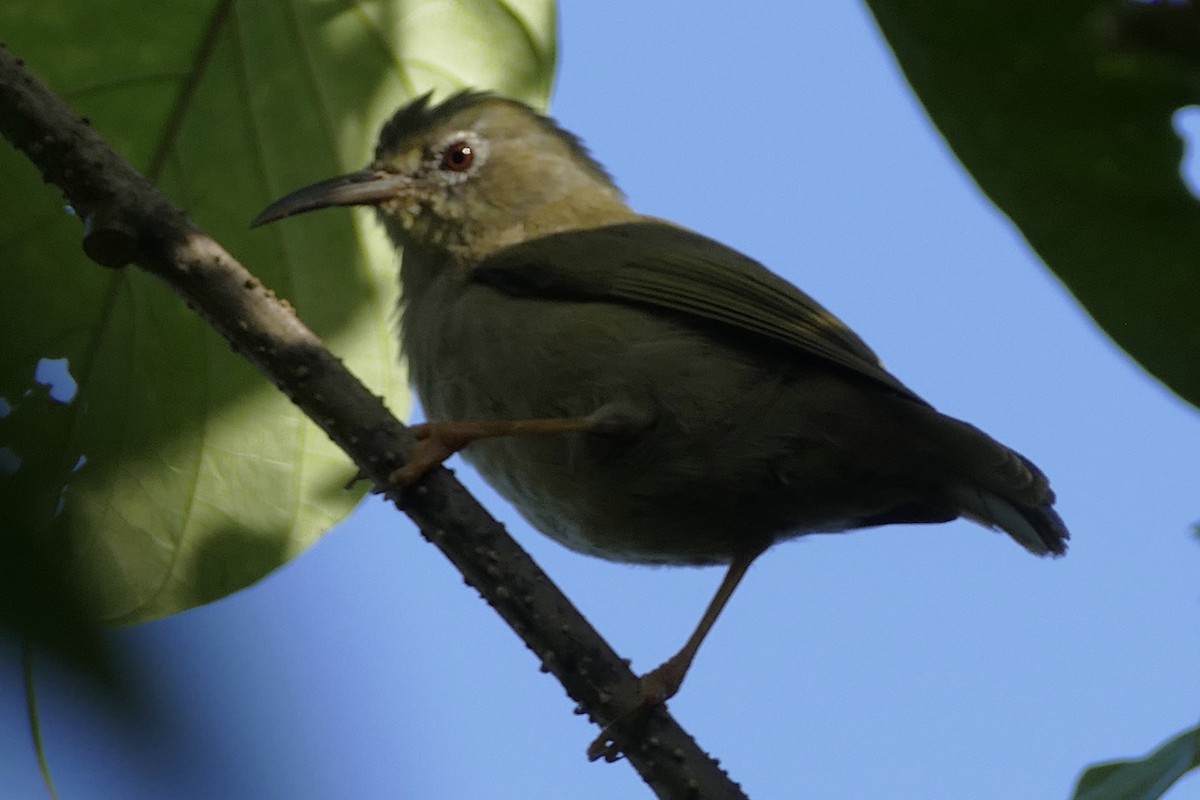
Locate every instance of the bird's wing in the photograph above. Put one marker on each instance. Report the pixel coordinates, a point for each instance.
(662, 266)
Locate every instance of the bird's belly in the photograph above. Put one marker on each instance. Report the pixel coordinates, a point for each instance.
(727, 461)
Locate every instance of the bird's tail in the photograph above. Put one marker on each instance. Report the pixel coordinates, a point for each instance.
(1003, 489)
(1039, 529)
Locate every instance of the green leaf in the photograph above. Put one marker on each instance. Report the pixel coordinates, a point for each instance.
(1144, 779)
(1071, 136)
(187, 476)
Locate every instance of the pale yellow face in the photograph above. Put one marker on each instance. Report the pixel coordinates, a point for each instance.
(434, 200)
(491, 172)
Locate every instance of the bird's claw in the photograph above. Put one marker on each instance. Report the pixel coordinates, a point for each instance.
(429, 453)
(656, 687)
(604, 747)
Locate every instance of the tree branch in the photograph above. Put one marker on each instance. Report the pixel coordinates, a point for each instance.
(126, 220)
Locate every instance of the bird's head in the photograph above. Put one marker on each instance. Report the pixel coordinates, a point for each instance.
(476, 171)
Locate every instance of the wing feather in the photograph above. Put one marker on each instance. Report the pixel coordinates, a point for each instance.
(655, 264)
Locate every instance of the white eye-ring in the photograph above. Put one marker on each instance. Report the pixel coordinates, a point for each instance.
(461, 152)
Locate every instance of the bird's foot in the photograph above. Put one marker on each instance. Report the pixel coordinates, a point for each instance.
(436, 442)
(662, 683)
(657, 687)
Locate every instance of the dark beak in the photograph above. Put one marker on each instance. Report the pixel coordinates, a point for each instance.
(366, 188)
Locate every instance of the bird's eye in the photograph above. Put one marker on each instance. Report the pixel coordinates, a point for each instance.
(458, 157)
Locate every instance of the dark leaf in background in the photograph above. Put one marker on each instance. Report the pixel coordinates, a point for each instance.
(1062, 112)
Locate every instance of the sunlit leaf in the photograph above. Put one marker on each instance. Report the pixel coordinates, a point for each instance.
(187, 476)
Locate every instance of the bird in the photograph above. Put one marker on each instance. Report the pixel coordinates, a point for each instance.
(638, 391)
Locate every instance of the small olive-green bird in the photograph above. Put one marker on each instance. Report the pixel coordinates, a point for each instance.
(638, 391)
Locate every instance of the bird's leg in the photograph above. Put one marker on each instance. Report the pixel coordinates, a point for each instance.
(437, 441)
(663, 682)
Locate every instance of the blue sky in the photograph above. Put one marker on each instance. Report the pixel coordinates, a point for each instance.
(914, 662)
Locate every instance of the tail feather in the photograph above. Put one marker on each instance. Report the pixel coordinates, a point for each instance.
(1038, 529)
(1000, 488)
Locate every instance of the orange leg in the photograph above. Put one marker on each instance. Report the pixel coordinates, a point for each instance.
(663, 682)
(439, 440)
